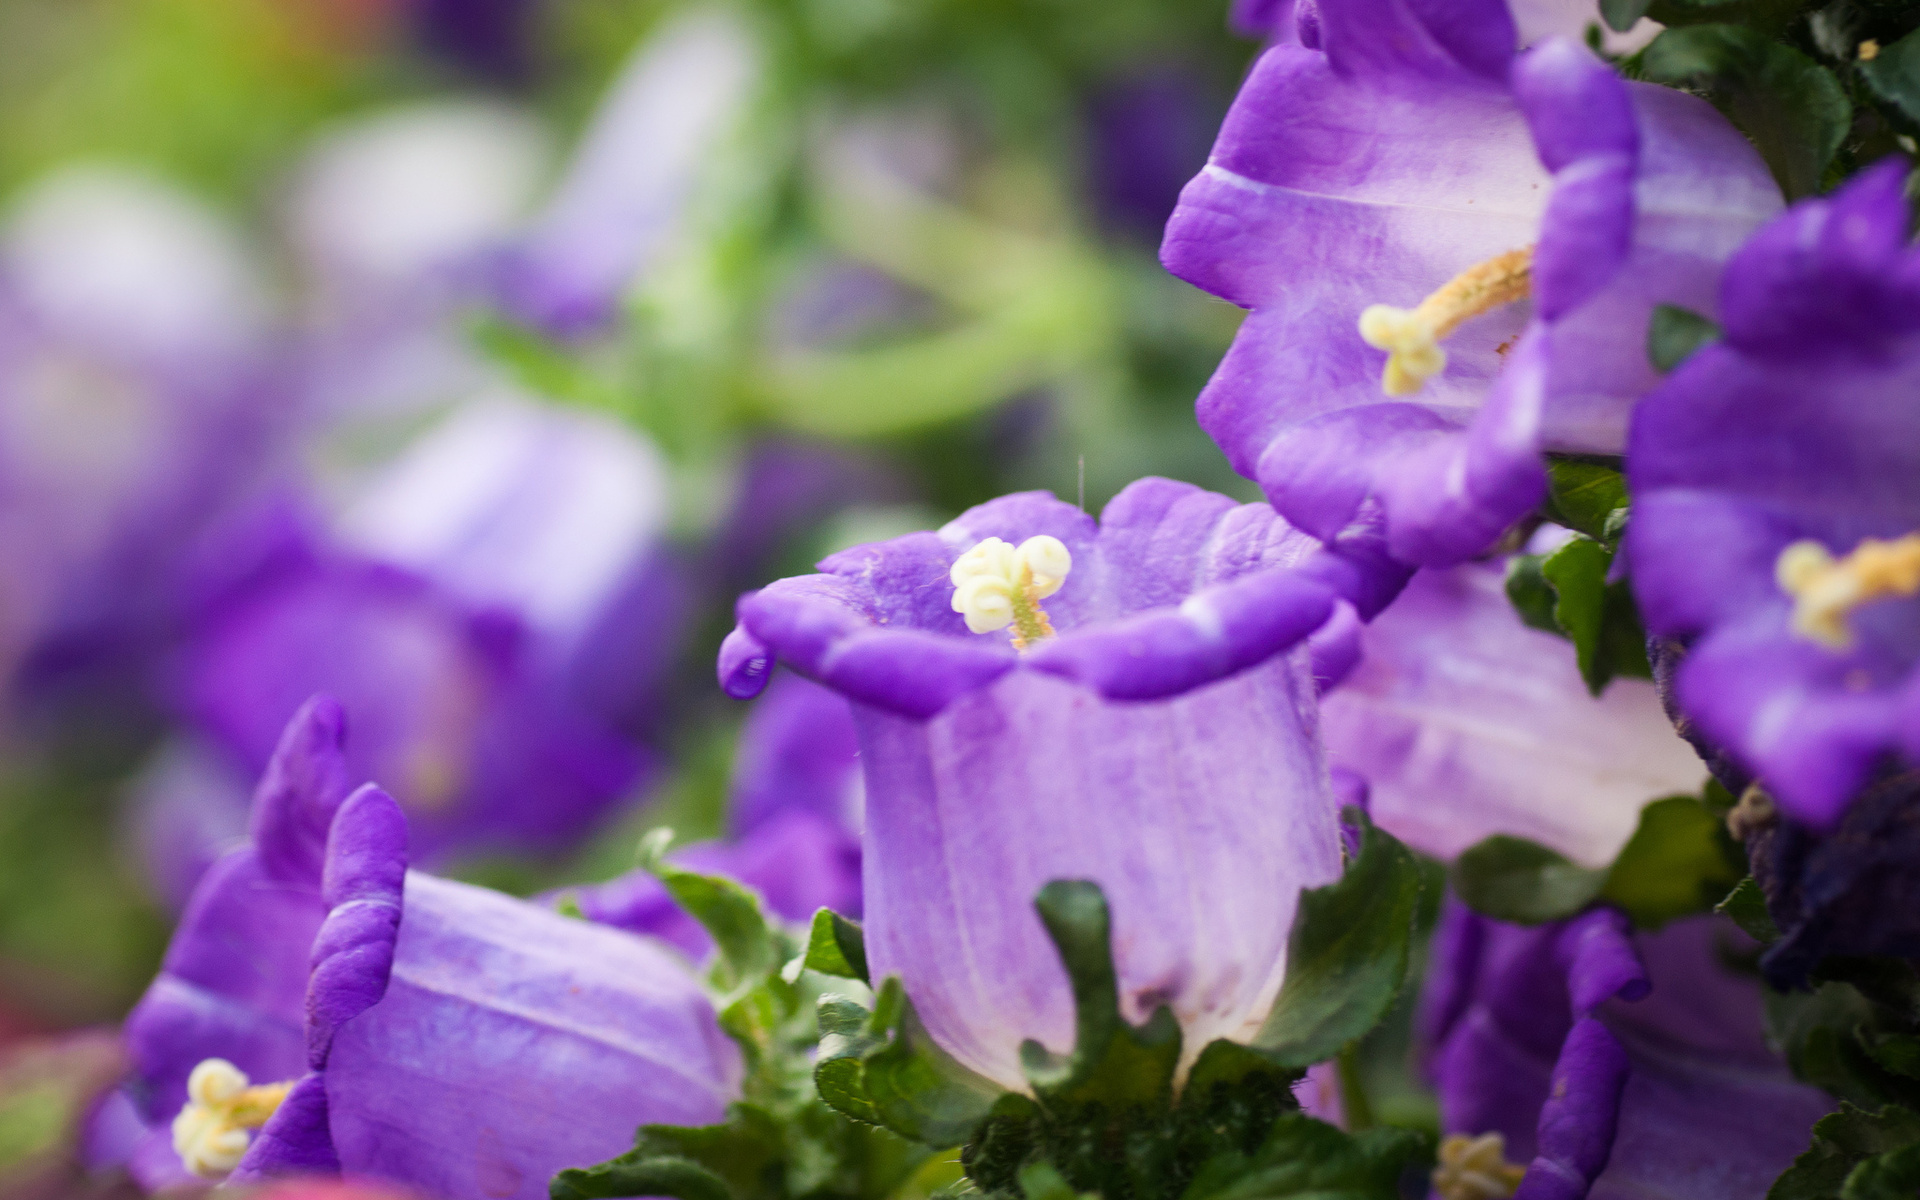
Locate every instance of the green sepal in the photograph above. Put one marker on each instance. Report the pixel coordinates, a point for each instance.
(1347, 954)
(750, 947)
(1620, 15)
(1567, 593)
(1792, 108)
(1679, 861)
(1894, 74)
(1675, 333)
(739, 1158)
(879, 1067)
(1309, 1159)
(1585, 496)
(1843, 1143)
(1113, 1062)
(1891, 1176)
(1513, 879)
(1746, 906)
(835, 946)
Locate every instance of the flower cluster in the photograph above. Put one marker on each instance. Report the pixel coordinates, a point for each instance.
(1498, 780)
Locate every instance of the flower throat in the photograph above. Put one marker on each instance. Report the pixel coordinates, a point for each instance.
(1411, 336)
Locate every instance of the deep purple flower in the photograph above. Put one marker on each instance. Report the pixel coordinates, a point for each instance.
(1148, 133)
(493, 39)
(793, 824)
(137, 400)
(1542, 201)
(626, 191)
(1769, 473)
(1465, 723)
(1611, 1066)
(1535, 21)
(434, 1034)
(1163, 745)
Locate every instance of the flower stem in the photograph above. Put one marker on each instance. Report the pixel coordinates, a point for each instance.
(1353, 1094)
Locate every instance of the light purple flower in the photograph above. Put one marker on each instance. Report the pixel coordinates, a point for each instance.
(1162, 745)
(437, 1035)
(138, 398)
(794, 816)
(1796, 430)
(626, 191)
(1465, 723)
(1400, 148)
(1612, 1066)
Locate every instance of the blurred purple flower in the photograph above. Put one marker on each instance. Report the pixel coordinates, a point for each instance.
(1465, 723)
(793, 825)
(1162, 745)
(626, 189)
(1148, 134)
(137, 401)
(441, 1036)
(492, 39)
(1763, 471)
(1612, 1066)
(1399, 150)
(468, 622)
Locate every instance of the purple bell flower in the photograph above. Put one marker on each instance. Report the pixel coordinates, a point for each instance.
(499, 618)
(793, 826)
(1776, 517)
(1465, 723)
(1609, 1066)
(1162, 743)
(1541, 205)
(397, 1026)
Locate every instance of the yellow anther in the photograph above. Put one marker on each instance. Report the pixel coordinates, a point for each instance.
(212, 1132)
(1826, 589)
(996, 584)
(1411, 336)
(1475, 1169)
(1869, 50)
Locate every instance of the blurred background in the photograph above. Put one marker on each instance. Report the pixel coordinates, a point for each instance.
(466, 358)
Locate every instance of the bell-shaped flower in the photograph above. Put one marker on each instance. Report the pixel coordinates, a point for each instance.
(322, 1010)
(1776, 514)
(1465, 723)
(1156, 735)
(1577, 1060)
(1450, 255)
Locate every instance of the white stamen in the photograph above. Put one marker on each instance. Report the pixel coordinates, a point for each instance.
(997, 585)
(1826, 589)
(1475, 1168)
(212, 1132)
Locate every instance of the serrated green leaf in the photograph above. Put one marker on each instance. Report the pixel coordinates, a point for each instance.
(644, 1176)
(1793, 109)
(1040, 1181)
(1894, 74)
(881, 1068)
(1891, 1176)
(749, 945)
(1583, 496)
(1674, 333)
(1897, 1052)
(1306, 1158)
(1112, 1061)
(1599, 617)
(1841, 1142)
(1820, 1033)
(1677, 863)
(1746, 906)
(835, 946)
(1347, 955)
(1223, 1062)
(1512, 879)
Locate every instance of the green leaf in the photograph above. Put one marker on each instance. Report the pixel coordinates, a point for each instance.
(1312, 1160)
(1821, 1034)
(1679, 861)
(1600, 617)
(1793, 109)
(1897, 1052)
(640, 1175)
(1674, 333)
(835, 946)
(1112, 1062)
(881, 1068)
(749, 945)
(1620, 15)
(1746, 906)
(1891, 1176)
(1530, 593)
(1894, 74)
(1584, 496)
(1347, 955)
(1843, 1141)
(1512, 879)
(1040, 1181)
